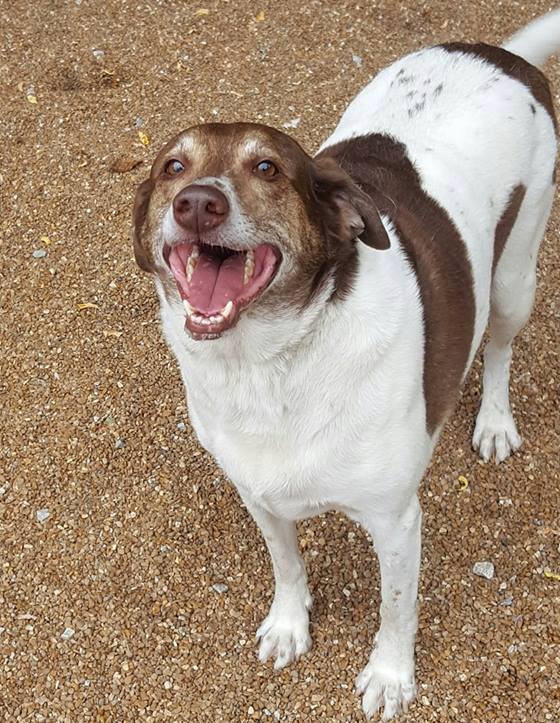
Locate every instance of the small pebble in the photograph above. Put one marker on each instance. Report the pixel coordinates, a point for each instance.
(138, 122)
(181, 426)
(220, 587)
(42, 515)
(68, 633)
(120, 444)
(294, 123)
(39, 254)
(168, 685)
(484, 569)
(357, 60)
(98, 53)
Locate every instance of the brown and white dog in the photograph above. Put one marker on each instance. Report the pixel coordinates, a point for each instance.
(324, 311)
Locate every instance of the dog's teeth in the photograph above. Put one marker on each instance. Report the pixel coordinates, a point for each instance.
(249, 266)
(191, 263)
(188, 307)
(228, 308)
(215, 318)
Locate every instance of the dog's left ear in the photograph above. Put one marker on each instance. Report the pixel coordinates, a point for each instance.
(348, 211)
(141, 203)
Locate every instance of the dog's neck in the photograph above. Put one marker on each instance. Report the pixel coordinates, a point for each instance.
(263, 336)
(282, 338)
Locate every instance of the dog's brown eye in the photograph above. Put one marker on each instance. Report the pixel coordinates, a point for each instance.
(266, 169)
(173, 167)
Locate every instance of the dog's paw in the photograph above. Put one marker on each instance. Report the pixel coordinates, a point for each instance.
(383, 687)
(495, 435)
(284, 633)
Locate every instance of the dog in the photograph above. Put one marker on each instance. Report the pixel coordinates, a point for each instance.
(324, 311)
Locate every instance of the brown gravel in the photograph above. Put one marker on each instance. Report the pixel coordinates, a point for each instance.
(140, 522)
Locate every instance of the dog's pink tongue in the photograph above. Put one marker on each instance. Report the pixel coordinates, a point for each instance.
(215, 282)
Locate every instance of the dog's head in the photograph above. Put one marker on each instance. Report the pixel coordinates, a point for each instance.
(237, 215)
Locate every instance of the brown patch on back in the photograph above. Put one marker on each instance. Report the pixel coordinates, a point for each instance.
(506, 222)
(380, 166)
(514, 66)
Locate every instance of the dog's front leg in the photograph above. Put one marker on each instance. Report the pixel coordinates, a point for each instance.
(388, 679)
(284, 633)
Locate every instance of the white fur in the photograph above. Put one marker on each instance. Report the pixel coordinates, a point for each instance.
(537, 41)
(324, 409)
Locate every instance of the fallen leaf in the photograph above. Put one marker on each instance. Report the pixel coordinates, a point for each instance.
(87, 305)
(46, 240)
(112, 333)
(202, 11)
(260, 16)
(463, 483)
(31, 99)
(144, 138)
(552, 575)
(125, 164)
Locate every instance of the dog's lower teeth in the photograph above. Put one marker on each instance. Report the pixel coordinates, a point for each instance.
(249, 266)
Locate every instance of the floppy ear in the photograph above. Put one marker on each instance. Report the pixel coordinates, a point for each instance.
(349, 212)
(141, 203)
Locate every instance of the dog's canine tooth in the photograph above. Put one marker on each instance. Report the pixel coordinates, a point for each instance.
(249, 266)
(191, 262)
(228, 308)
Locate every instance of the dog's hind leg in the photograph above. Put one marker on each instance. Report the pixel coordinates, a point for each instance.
(512, 295)
(284, 633)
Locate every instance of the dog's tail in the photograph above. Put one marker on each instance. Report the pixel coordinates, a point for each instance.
(537, 41)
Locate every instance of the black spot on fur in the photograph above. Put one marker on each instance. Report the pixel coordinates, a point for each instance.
(438, 89)
(533, 109)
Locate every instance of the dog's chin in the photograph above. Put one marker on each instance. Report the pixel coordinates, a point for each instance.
(218, 283)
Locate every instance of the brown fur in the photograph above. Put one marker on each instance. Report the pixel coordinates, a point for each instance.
(436, 252)
(506, 222)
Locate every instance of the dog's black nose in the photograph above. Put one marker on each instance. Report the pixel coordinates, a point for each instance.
(200, 208)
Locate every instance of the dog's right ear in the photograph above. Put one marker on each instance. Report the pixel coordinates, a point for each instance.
(141, 203)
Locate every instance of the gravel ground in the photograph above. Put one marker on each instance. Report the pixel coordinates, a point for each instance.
(132, 579)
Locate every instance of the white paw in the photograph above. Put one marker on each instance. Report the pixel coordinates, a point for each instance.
(284, 633)
(495, 435)
(384, 687)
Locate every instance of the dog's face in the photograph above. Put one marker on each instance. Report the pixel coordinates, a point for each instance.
(236, 215)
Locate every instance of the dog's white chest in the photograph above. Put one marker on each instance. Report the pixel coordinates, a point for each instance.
(277, 444)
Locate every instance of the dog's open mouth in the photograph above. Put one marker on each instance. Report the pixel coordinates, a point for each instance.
(216, 282)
